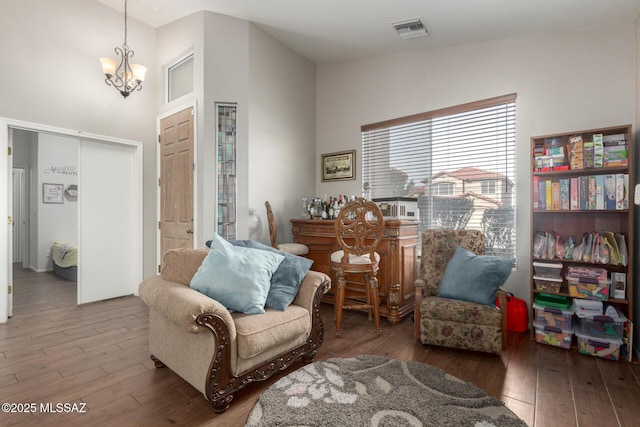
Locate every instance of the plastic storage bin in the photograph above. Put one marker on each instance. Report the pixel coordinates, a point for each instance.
(555, 317)
(604, 326)
(556, 301)
(547, 284)
(591, 273)
(556, 337)
(607, 348)
(597, 291)
(547, 270)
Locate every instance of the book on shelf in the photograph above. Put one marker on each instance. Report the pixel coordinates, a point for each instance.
(565, 193)
(575, 191)
(618, 285)
(597, 150)
(538, 150)
(591, 192)
(610, 192)
(584, 192)
(615, 152)
(622, 191)
(576, 155)
(548, 194)
(536, 192)
(542, 195)
(555, 196)
(599, 192)
(587, 147)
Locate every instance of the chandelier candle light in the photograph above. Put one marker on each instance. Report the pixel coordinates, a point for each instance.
(126, 77)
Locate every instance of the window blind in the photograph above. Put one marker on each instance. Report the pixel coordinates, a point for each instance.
(458, 162)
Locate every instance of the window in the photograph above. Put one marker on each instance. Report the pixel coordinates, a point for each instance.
(226, 142)
(443, 189)
(488, 187)
(180, 78)
(458, 162)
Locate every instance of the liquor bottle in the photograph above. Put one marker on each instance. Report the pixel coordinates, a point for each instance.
(331, 212)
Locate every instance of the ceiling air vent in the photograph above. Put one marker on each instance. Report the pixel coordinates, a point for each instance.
(410, 29)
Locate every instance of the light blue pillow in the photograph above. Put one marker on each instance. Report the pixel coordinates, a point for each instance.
(474, 278)
(286, 280)
(238, 278)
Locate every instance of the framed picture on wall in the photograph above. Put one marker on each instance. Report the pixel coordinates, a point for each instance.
(339, 166)
(52, 193)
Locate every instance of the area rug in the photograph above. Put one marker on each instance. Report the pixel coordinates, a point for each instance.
(376, 391)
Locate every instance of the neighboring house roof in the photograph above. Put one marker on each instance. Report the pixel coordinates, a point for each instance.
(418, 191)
(470, 174)
(480, 196)
(397, 171)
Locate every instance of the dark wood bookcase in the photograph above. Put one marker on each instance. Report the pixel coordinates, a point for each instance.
(575, 222)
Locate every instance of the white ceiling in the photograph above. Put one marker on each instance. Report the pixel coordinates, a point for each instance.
(336, 30)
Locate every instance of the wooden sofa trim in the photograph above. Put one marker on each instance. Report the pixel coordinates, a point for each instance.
(222, 384)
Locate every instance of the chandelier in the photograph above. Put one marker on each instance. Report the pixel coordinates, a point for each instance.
(124, 77)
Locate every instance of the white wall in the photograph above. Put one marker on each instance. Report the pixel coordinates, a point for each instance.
(57, 164)
(281, 133)
(564, 82)
(51, 75)
(274, 89)
(226, 79)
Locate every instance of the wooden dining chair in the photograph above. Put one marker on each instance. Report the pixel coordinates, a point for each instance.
(359, 230)
(292, 248)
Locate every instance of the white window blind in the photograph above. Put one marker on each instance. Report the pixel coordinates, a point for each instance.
(459, 163)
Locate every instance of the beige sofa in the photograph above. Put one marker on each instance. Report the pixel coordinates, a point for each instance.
(219, 352)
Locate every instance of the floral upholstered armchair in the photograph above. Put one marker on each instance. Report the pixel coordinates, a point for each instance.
(443, 320)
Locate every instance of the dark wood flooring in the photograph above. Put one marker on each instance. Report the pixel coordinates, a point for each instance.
(95, 355)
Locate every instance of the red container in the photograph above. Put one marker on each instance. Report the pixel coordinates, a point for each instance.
(517, 314)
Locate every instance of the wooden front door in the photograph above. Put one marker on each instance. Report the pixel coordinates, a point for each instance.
(176, 181)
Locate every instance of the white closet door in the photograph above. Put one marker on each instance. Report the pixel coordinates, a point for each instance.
(109, 238)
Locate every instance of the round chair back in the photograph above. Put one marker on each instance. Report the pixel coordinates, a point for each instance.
(359, 228)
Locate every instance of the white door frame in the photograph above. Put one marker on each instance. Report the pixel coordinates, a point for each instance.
(5, 250)
(195, 174)
(20, 220)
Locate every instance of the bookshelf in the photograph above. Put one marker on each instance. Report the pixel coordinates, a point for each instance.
(582, 183)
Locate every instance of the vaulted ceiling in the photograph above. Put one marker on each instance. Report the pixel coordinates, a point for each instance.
(336, 30)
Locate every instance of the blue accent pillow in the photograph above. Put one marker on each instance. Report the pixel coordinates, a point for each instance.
(286, 280)
(474, 278)
(237, 277)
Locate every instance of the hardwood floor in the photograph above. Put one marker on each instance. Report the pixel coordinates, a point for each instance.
(95, 357)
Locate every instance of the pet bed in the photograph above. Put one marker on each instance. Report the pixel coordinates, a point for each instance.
(65, 259)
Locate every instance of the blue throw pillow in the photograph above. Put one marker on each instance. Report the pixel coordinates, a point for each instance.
(286, 280)
(237, 277)
(474, 278)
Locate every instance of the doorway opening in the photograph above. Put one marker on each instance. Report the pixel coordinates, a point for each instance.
(110, 206)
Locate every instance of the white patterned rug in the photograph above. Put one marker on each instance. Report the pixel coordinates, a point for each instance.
(376, 391)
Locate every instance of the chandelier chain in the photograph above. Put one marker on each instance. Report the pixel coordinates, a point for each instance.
(125, 22)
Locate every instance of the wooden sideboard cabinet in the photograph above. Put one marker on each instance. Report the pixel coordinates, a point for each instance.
(398, 258)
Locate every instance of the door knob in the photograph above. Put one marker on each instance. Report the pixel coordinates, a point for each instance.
(189, 231)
